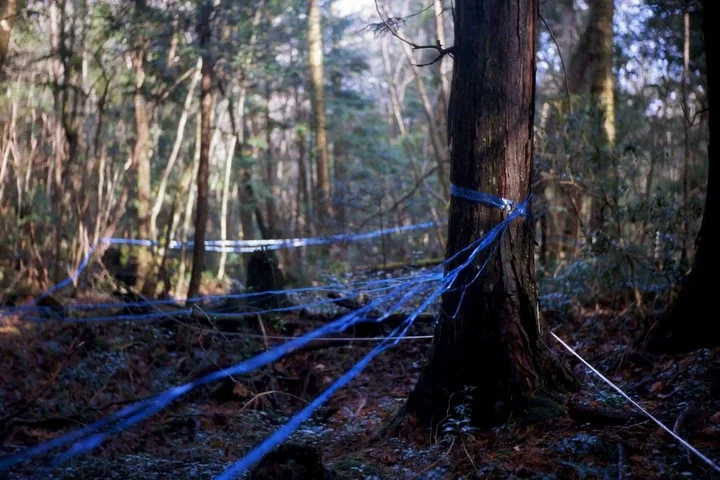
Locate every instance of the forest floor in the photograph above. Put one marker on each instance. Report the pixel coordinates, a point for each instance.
(56, 377)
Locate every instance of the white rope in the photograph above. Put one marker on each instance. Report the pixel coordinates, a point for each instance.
(639, 407)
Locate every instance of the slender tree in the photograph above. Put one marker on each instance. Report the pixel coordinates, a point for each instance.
(687, 324)
(687, 150)
(141, 157)
(206, 111)
(319, 121)
(495, 342)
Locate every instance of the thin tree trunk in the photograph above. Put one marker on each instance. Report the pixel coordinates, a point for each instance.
(302, 195)
(319, 121)
(247, 203)
(175, 153)
(494, 343)
(224, 205)
(186, 185)
(687, 152)
(206, 110)
(602, 84)
(238, 136)
(270, 201)
(59, 78)
(141, 157)
(441, 152)
(395, 109)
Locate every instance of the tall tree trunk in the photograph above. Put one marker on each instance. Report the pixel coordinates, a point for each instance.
(594, 57)
(271, 220)
(238, 134)
(558, 217)
(187, 188)
(224, 204)
(494, 344)
(319, 121)
(206, 110)
(687, 151)
(687, 325)
(141, 157)
(175, 153)
(602, 83)
(303, 199)
(8, 12)
(60, 83)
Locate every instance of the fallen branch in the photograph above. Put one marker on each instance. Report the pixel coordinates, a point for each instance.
(601, 417)
(678, 425)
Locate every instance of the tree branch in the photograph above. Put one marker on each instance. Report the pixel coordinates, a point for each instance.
(391, 25)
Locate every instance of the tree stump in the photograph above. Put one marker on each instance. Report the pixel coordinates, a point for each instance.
(264, 275)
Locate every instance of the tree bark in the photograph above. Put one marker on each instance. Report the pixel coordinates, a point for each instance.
(8, 12)
(594, 58)
(602, 83)
(687, 150)
(319, 121)
(206, 111)
(224, 205)
(175, 153)
(271, 220)
(187, 189)
(141, 158)
(687, 325)
(494, 344)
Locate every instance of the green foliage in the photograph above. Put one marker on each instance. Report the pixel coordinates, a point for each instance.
(459, 423)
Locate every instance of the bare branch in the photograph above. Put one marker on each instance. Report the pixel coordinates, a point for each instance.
(562, 63)
(392, 25)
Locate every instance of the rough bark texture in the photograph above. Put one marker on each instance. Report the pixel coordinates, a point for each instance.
(8, 11)
(206, 110)
(494, 343)
(689, 323)
(319, 121)
(602, 83)
(141, 158)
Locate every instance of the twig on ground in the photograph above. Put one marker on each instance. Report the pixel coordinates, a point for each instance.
(679, 423)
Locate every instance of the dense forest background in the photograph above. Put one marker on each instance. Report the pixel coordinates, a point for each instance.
(154, 153)
(103, 134)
